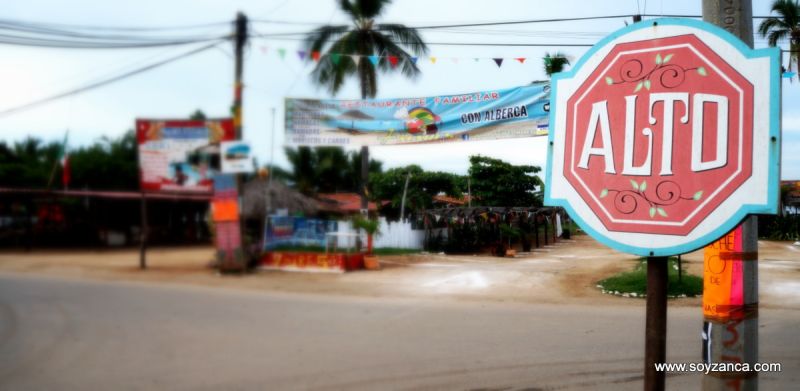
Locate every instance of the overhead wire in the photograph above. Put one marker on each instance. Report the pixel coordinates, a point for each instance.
(24, 33)
(106, 81)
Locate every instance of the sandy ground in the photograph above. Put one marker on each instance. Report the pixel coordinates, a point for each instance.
(565, 272)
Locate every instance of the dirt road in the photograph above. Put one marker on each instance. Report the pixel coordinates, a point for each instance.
(564, 273)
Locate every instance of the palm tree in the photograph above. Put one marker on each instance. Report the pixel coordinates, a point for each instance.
(785, 25)
(347, 50)
(363, 38)
(554, 63)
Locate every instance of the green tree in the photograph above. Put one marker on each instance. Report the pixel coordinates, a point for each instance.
(323, 169)
(554, 63)
(365, 40)
(785, 25)
(498, 183)
(198, 115)
(422, 186)
(108, 164)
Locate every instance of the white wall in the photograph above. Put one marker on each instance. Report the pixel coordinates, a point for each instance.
(395, 234)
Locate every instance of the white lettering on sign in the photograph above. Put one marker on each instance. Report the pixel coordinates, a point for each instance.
(599, 118)
(697, 132)
(599, 115)
(669, 99)
(627, 158)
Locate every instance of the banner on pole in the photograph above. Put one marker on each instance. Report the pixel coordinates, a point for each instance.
(236, 157)
(485, 115)
(175, 155)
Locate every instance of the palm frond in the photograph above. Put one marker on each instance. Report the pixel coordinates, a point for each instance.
(404, 62)
(364, 39)
(404, 36)
(369, 9)
(320, 37)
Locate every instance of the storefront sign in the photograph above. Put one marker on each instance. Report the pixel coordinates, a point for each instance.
(175, 155)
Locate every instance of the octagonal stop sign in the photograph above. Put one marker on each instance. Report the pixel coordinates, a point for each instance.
(665, 135)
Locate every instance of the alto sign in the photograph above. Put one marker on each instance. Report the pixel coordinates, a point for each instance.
(665, 135)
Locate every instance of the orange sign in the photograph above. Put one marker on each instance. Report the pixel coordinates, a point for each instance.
(312, 261)
(722, 277)
(225, 210)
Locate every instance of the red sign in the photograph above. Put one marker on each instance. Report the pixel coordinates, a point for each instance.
(660, 136)
(175, 155)
(294, 261)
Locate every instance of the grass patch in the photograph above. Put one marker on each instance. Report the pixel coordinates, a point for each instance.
(634, 283)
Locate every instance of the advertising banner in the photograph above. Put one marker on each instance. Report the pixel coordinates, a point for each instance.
(485, 115)
(236, 157)
(175, 155)
(296, 231)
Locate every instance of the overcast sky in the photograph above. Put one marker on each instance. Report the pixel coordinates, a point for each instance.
(204, 81)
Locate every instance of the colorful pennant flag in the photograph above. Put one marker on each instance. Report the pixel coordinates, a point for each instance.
(394, 61)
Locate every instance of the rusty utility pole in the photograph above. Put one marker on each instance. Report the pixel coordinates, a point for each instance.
(734, 338)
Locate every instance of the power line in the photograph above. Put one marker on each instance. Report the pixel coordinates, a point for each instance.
(117, 28)
(6, 39)
(50, 35)
(534, 44)
(104, 82)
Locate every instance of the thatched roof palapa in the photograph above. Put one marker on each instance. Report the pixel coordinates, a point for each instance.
(261, 193)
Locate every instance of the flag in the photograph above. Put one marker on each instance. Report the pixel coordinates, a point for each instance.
(64, 159)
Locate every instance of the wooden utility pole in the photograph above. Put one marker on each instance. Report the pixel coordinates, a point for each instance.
(232, 256)
(143, 234)
(655, 348)
(736, 338)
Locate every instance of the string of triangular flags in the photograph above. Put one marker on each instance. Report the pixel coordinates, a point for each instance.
(392, 60)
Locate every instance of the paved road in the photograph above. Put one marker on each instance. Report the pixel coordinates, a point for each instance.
(71, 334)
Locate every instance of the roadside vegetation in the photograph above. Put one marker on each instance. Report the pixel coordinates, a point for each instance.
(634, 283)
